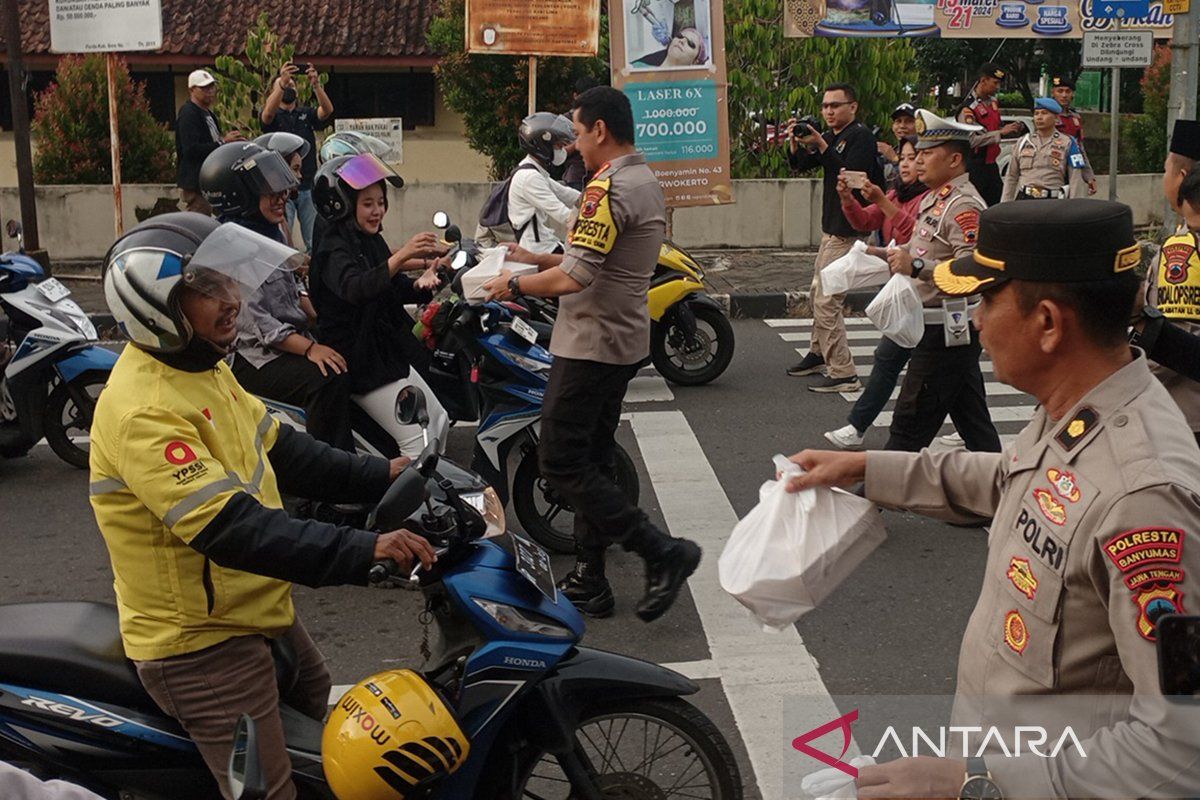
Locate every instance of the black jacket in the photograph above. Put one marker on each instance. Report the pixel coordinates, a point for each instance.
(854, 149)
(194, 140)
(360, 309)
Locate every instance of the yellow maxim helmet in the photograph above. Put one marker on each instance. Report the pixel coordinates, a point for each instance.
(390, 737)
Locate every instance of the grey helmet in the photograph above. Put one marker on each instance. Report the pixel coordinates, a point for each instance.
(542, 133)
(284, 143)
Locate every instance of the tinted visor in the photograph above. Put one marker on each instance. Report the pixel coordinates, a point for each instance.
(366, 170)
(233, 262)
(269, 173)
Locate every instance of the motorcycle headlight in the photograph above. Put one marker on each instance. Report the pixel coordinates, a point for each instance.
(520, 621)
(488, 504)
(526, 363)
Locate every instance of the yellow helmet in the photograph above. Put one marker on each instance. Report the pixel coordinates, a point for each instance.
(390, 737)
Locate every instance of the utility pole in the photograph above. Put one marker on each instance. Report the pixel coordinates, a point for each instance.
(1184, 73)
(20, 119)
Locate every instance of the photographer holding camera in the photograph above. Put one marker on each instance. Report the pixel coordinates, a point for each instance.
(847, 145)
(282, 113)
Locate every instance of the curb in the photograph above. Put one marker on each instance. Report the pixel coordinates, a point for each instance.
(775, 305)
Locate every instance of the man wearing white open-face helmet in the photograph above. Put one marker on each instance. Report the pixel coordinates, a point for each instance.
(185, 473)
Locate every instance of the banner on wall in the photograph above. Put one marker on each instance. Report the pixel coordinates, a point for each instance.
(534, 27)
(966, 19)
(668, 56)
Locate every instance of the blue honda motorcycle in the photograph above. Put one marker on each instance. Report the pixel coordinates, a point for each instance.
(545, 716)
(56, 370)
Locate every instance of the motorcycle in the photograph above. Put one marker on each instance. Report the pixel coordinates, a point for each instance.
(691, 339)
(489, 364)
(51, 382)
(545, 716)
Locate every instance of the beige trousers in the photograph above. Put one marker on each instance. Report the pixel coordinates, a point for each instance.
(829, 327)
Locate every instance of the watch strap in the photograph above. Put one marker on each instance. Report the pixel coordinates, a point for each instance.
(514, 285)
(977, 767)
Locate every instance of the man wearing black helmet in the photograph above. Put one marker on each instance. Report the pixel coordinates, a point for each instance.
(186, 469)
(536, 202)
(282, 113)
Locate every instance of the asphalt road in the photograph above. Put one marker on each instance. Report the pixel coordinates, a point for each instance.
(892, 628)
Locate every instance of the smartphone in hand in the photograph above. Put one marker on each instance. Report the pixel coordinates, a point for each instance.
(855, 179)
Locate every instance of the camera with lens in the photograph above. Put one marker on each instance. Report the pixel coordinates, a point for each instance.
(806, 121)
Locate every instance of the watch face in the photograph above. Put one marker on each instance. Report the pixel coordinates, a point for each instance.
(980, 788)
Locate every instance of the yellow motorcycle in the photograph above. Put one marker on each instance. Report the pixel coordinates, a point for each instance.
(691, 340)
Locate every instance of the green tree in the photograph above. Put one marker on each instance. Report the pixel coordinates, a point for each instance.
(246, 82)
(946, 62)
(771, 77)
(70, 125)
(1146, 134)
(491, 92)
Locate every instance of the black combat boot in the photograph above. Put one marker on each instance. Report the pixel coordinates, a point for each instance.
(669, 562)
(586, 587)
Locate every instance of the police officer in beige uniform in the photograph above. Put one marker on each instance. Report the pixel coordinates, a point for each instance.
(1173, 286)
(601, 337)
(943, 373)
(1045, 162)
(1095, 514)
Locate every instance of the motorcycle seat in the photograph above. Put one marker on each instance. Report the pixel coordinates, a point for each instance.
(69, 648)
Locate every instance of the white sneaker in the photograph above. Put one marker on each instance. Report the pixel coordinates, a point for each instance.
(845, 438)
(951, 440)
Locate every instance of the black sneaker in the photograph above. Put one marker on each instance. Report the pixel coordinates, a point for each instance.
(811, 364)
(593, 597)
(827, 385)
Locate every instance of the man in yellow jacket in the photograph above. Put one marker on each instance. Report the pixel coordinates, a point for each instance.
(186, 470)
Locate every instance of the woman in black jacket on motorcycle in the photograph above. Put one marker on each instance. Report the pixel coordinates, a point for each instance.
(359, 288)
(277, 356)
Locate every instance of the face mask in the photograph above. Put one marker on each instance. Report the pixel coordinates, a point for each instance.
(289, 95)
(560, 157)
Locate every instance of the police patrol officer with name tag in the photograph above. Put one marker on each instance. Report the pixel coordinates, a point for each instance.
(983, 109)
(943, 373)
(601, 338)
(1095, 531)
(1045, 161)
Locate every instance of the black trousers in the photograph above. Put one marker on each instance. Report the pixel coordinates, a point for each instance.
(295, 380)
(987, 180)
(942, 380)
(576, 452)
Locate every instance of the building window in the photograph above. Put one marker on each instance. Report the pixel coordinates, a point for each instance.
(408, 95)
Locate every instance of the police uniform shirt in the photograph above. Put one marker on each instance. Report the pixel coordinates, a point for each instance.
(947, 225)
(1045, 163)
(615, 236)
(985, 113)
(1094, 533)
(1174, 288)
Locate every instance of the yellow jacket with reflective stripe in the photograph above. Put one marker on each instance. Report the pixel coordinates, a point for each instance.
(168, 449)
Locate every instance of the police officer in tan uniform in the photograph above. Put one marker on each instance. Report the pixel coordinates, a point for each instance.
(980, 107)
(1046, 161)
(1173, 287)
(1095, 513)
(601, 337)
(943, 373)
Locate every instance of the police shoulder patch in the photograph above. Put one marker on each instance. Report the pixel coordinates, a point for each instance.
(968, 222)
(595, 228)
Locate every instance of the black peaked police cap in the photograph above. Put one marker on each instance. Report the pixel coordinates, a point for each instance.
(1067, 241)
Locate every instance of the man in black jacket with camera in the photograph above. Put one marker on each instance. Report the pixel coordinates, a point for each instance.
(198, 133)
(849, 145)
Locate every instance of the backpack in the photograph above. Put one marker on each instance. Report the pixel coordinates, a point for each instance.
(494, 213)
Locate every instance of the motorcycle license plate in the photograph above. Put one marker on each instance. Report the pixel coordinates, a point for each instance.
(523, 329)
(533, 563)
(52, 290)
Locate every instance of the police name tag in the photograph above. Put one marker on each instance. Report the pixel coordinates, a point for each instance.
(523, 329)
(956, 322)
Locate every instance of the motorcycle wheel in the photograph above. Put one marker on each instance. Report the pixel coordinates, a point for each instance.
(702, 360)
(64, 419)
(688, 756)
(548, 518)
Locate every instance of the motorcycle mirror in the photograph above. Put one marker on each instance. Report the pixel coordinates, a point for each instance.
(411, 407)
(441, 220)
(13, 228)
(402, 498)
(460, 259)
(246, 778)
(453, 234)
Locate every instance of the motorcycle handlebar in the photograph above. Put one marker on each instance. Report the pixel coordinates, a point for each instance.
(387, 569)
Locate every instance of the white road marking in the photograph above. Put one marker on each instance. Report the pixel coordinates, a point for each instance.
(806, 322)
(758, 670)
(648, 388)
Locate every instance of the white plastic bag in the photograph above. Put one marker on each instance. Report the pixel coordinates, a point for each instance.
(897, 311)
(792, 550)
(855, 270)
(833, 784)
(492, 260)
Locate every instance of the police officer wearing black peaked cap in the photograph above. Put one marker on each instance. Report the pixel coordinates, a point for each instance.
(1095, 526)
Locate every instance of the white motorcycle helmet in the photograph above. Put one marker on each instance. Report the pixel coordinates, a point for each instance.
(145, 269)
(352, 143)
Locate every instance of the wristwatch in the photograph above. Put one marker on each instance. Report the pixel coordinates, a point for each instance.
(918, 264)
(1152, 321)
(514, 286)
(978, 785)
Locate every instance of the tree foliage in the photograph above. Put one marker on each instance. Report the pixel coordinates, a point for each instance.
(491, 92)
(1146, 134)
(946, 62)
(772, 77)
(244, 84)
(71, 127)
